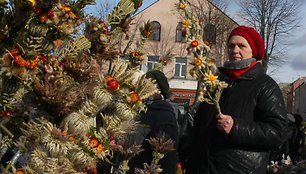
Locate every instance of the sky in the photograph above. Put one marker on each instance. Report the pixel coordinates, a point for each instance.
(295, 66)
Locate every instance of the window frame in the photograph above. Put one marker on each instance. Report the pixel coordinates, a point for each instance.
(180, 33)
(210, 33)
(152, 60)
(156, 31)
(182, 74)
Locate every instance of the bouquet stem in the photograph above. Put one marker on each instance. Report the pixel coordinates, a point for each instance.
(217, 107)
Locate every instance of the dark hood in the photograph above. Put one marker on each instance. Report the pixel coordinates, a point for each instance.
(160, 105)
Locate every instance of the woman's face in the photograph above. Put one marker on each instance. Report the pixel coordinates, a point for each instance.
(238, 48)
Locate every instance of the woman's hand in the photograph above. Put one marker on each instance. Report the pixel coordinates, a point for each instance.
(225, 123)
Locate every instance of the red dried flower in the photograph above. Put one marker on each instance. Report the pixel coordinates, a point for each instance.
(50, 15)
(113, 85)
(194, 43)
(206, 43)
(94, 142)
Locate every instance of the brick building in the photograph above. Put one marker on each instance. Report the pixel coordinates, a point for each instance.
(167, 44)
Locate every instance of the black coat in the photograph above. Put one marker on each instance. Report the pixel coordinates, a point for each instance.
(256, 104)
(160, 117)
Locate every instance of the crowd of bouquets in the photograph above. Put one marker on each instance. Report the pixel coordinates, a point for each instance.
(286, 166)
(204, 68)
(53, 90)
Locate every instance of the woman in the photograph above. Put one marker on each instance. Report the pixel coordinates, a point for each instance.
(160, 118)
(252, 122)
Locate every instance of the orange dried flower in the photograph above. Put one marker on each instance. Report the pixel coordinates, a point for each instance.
(72, 15)
(136, 53)
(100, 148)
(21, 62)
(146, 33)
(33, 63)
(20, 171)
(93, 142)
(71, 138)
(194, 43)
(134, 97)
(14, 52)
(43, 18)
(58, 42)
(198, 61)
(64, 133)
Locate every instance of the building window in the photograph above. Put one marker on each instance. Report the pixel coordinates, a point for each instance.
(180, 67)
(156, 29)
(210, 33)
(152, 60)
(180, 33)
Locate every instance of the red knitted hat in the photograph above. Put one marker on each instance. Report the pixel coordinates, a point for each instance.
(254, 39)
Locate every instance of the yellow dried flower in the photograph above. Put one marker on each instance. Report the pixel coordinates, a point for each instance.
(182, 6)
(186, 23)
(211, 88)
(211, 77)
(67, 9)
(33, 2)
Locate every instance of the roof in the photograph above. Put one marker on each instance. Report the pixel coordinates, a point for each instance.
(178, 1)
(222, 12)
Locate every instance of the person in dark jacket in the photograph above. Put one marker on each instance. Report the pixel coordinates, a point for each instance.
(253, 118)
(160, 118)
(292, 145)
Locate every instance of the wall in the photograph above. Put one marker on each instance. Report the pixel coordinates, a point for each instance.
(165, 12)
(299, 102)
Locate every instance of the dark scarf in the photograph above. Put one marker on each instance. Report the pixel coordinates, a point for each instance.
(237, 68)
(153, 98)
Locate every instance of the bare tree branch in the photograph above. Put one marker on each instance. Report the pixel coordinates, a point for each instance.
(274, 20)
(212, 13)
(104, 7)
(164, 48)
